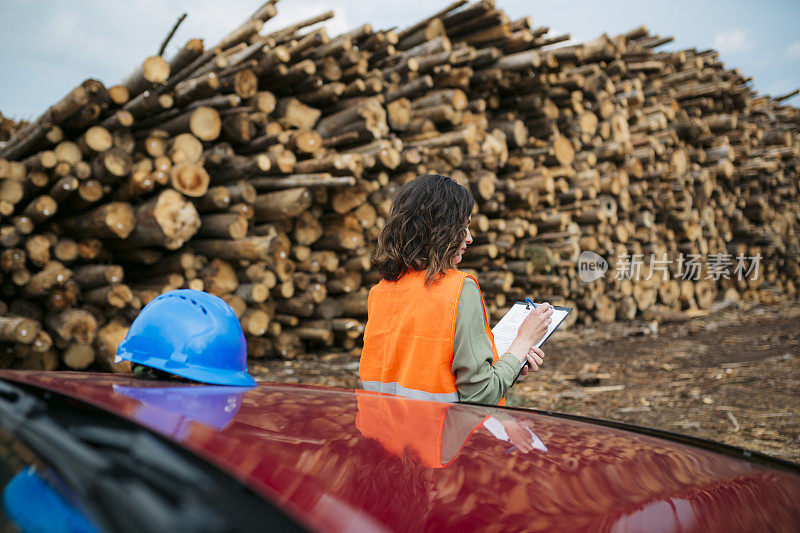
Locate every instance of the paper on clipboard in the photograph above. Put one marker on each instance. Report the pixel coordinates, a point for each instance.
(506, 330)
(496, 428)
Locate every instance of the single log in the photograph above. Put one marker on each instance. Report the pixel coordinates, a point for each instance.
(301, 305)
(153, 71)
(297, 114)
(37, 248)
(180, 262)
(12, 259)
(182, 147)
(44, 160)
(164, 283)
(319, 261)
(344, 282)
(63, 297)
(120, 119)
(203, 122)
(223, 226)
(141, 181)
(89, 192)
(192, 91)
(282, 204)
(117, 295)
(263, 101)
(307, 229)
(367, 109)
(118, 94)
(40, 208)
(254, 322)
(301, 180)
(12, 191)
(106, 342)
(66, 250)
(253, 292)
(63, 188)
(216, 199)
(304, 141)
(149, 103)
(90, 249)
(188, 53)
(18, 329)
(90, 276)
(251, 248)
(78, 356)
(341, 239)
(168, 220)
(111, 220)
(95, 140)
(242, 33)
(239, 166)
(111, 165)
(43, 343)
(190, 179)
(242, 191)
(220, 279)
(238, 128)
(519, 61)
(73, 325)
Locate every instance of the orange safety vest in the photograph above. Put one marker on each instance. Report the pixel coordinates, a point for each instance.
(408, 340)
(417, 426)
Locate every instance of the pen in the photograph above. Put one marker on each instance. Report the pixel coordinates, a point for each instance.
(530, 304)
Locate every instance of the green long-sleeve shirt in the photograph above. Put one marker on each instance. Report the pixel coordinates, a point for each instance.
(477, 379)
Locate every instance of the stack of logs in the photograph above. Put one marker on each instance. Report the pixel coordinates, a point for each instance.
(262, 170)
(8, 128)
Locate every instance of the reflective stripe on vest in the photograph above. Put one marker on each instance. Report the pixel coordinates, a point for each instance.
(399, 390)
(408, 339)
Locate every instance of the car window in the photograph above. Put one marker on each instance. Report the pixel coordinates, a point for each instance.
(32, 497)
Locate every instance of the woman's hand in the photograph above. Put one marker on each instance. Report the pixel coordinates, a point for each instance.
(518, 434)
(532, 330)
(535, 358)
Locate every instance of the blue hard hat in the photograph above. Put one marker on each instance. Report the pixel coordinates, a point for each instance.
(191, 334)
(32, 503)
(172, 410)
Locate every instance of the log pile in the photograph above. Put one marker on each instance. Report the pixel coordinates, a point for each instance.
(262, 170)
(8, 128)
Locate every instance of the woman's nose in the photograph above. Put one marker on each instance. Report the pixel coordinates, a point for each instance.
(468, 240)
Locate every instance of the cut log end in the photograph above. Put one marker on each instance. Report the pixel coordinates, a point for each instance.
(78, 356)
(177, 218)
(120, 219)
(155, 69)
(205, 123)
(190, 179)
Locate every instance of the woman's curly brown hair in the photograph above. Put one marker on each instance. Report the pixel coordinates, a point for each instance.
(425, 228)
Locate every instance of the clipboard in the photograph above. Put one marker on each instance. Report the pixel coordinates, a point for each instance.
(554, 324)
(506, 329)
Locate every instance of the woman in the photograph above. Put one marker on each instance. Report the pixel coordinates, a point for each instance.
(427, 335)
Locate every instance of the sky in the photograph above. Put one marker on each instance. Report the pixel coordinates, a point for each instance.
(51, 46)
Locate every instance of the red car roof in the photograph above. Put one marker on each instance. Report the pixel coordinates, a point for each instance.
(343, 460)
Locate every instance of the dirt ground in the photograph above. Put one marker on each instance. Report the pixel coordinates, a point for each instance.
(732, 377)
